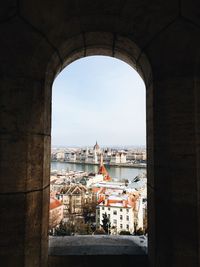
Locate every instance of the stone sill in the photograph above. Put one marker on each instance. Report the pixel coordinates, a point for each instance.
(97, 245)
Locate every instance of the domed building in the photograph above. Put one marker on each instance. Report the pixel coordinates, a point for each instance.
(96, 148)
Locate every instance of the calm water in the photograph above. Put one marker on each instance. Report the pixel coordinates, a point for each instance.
(115, 172)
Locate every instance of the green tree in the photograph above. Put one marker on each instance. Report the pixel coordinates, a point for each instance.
(83, 229)
(124, 232)
(61, 229)
(106, 223)
(89, 212)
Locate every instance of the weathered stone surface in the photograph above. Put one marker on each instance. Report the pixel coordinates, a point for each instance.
(8, 10)
(105, 260)
(23, 229)
(161, 41)
(98, 245)
(190, 11)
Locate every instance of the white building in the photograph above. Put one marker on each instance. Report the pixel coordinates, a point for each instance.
(72, 157)
(115, 159)
(123, 158)
(91, 180)
(119, 212)
(60, 155)
(95, 158)
(118, 158)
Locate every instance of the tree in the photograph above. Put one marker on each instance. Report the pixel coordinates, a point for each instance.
(83, 229)
(93, 227)
(140, 231)
(63, 229)
(135, 227)
(124, 232)
(54, 219)
(106, 223)
(89, 211)
(99, 232)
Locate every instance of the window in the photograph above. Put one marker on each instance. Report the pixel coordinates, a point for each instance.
(79, 172)
(127, 218)
(127, 227)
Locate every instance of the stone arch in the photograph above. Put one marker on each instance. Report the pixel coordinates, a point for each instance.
(33, 33)
(107, 44)
(99, 43)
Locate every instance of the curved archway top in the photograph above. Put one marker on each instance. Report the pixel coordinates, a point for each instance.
(99, 43)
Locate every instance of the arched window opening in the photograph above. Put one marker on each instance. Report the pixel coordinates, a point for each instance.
(98, 159)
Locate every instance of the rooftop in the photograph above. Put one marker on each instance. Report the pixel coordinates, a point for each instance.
(54, 203)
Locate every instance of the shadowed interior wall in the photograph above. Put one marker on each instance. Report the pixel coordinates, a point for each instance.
(40, 38)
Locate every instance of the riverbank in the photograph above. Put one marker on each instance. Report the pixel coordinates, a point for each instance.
(135, 165)
(114, 171)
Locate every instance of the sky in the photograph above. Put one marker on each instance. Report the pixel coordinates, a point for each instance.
(101, 99)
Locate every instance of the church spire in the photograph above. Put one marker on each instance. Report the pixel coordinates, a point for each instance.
(103, 171)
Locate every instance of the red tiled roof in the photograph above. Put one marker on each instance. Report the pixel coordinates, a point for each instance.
(102, 170)
(107, 178)
(54, 203)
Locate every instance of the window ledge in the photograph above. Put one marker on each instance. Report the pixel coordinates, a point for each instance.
(97, 245)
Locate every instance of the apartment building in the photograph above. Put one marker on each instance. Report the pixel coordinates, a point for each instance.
(122, 215)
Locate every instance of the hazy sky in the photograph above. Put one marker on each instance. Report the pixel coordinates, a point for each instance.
(98, 98)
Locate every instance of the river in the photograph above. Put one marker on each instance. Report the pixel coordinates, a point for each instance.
(114, 172)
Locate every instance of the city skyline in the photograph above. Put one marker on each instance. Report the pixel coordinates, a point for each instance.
(82, 115)
(90, 146)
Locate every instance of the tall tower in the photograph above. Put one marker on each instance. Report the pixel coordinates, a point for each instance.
(95, 158)
(97, 148)
(103, 171)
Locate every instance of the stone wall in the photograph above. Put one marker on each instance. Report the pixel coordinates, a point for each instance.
(40, 38)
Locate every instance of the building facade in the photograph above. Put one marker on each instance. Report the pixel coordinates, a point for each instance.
(55, 213)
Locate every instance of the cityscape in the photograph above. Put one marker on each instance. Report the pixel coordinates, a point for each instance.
(91, 198)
